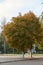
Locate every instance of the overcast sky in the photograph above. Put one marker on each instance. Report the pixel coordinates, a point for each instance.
(10, 8)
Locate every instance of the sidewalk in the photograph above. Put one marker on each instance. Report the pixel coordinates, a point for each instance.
(9, 58)
(4, 59)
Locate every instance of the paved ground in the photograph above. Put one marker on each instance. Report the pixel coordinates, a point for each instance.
(4, 58)
(18, 60)
(25, 62)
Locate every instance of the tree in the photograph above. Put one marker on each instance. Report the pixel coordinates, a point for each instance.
(3, 23)
(23, 32)
(40, 46)
(1, 44)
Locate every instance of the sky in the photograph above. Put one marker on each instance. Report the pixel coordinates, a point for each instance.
(11, 8)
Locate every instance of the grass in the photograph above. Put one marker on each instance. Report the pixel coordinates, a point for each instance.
(20, 54)
(38, 54)
(8, 54)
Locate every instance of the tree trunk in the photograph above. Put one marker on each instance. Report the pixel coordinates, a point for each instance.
(31, 53)
(13, 50)
(4, 47)
(23, 54)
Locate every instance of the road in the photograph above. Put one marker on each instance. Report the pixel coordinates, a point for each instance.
(25, 62)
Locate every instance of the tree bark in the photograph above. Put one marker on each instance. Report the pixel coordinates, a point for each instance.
(31, 53)
(23, 54)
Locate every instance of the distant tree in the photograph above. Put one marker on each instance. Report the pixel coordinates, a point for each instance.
(3, 23)
(23, 32)
(42, 2)
(1, 44)
(41, 17)
(40, 46)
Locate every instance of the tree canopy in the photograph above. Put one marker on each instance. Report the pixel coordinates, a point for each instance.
(24, 31)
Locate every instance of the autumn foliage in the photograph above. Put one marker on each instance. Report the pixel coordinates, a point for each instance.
(23, 31)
